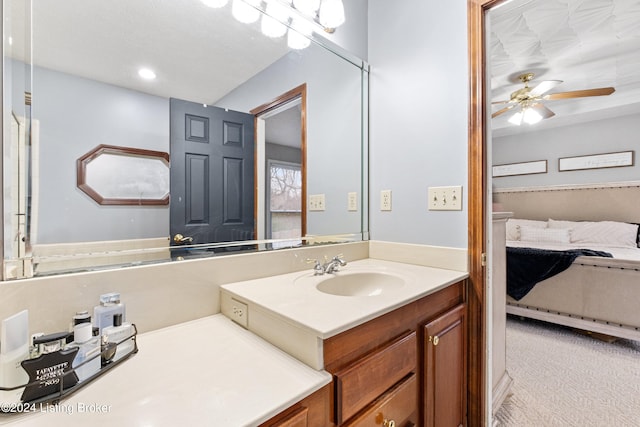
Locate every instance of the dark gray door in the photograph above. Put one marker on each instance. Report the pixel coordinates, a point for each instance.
(212, 189)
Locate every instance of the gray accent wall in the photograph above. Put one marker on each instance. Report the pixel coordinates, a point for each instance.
(97, 113)
(419, 117)
(594, 137)
(334, 134)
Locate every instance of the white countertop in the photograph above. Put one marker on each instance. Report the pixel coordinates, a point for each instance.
(208, 372)
(294, 298)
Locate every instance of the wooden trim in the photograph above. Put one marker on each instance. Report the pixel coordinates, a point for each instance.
(301, 92)
(476, 297)
(81, 174)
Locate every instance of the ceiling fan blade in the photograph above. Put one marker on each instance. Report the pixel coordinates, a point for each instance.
(502, 111)
(544, 87)
(542, 110)
(580, 93)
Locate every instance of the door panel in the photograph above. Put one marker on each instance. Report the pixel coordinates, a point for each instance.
(212, 173)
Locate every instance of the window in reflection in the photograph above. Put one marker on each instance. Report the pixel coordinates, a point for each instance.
(284, 216)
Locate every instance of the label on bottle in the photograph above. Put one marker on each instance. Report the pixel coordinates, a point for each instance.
(49, 374)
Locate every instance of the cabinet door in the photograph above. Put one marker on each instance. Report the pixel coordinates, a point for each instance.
(445, 370)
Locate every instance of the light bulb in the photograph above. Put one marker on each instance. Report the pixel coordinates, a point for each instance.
(244, 12)
(272, 25)
(531, 116)
(516, 119)
(298, 35)
(331, 13)
(215, 3)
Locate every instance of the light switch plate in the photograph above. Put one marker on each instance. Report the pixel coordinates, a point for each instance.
(445, 198)
(316, 202)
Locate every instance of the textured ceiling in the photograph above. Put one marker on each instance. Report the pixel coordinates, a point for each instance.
(198, 53)
(585, 43)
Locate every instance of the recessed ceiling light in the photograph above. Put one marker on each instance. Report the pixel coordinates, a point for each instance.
(146, 73)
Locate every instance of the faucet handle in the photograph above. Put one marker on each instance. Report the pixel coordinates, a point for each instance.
(317, 268)
(339, 258)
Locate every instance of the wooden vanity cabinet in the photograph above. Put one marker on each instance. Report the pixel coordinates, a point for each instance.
(387, 370)
(312, 411)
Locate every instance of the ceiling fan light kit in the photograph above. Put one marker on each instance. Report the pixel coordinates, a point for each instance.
(530, 100)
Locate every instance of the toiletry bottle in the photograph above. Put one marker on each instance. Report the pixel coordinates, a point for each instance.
(109, 305)
(14, 348)
(88, 351)
(79, 317)
(119, 332)
(50, 372)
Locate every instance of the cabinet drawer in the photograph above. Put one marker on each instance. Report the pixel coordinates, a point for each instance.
(364, 381)
(398, 405)
(297, 419)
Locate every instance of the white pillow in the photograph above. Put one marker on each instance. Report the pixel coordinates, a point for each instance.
(553, 223)
(544, 235)
(513, 231)
(610, 233)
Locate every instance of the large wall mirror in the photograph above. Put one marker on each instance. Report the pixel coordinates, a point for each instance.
(71, 73)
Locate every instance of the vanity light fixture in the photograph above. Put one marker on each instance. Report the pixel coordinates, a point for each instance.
(147, 73)
(245, 10)
(301, 16)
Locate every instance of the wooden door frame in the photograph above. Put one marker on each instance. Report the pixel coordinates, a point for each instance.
(477, 169)
(296, 92)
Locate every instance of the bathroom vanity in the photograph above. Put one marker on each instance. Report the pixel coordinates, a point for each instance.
(395, 355)
(392, 336)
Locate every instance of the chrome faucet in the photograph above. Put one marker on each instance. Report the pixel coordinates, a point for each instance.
(328, 267)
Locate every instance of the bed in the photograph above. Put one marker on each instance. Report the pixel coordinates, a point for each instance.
(596, 291)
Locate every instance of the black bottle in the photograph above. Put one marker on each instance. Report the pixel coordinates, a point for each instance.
(49, 372)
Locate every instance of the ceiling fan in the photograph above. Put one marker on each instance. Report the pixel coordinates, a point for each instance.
(532, 110)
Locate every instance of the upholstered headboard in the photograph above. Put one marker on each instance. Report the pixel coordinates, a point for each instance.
(589, 202)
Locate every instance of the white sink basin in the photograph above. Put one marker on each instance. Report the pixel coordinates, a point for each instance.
(360, 284)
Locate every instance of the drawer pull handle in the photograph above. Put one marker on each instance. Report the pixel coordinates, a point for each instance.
(388, 423)
(435, 340)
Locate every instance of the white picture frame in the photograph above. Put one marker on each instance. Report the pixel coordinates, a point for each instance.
(596, 161)
(523, 168)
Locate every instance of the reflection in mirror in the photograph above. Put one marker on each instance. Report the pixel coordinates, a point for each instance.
(113, 175)
(87, 92)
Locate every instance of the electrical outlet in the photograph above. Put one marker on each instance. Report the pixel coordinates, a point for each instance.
(445, 198)
(385, 200)
(239, 312)
(316, 202)
(352, 203)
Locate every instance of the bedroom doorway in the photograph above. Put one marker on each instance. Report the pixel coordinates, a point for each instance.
(524, 167)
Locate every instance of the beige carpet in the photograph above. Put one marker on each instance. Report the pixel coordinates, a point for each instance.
(563, 378)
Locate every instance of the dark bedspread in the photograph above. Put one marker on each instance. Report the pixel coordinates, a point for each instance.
(528, 266)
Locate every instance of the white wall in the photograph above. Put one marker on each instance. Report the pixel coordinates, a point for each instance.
(419, 114)
(595, 137)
